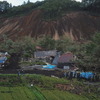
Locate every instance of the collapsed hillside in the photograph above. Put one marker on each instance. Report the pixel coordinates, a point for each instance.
(76, 25)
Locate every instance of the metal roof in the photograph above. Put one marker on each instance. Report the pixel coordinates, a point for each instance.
(44, 54)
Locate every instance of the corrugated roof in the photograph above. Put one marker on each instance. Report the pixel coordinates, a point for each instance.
(66, 58)
(44, 54)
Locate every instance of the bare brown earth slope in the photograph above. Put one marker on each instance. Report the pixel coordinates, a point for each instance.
(76, 25)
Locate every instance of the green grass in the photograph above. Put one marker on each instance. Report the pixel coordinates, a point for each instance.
(61, 95)
(16, 93)
(24, 93)
(11, 88)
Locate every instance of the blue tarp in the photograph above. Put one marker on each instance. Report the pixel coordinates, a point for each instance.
(86, 75)
(3, 59)
(49, 66)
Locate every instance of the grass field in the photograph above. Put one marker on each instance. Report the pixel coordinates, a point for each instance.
(61, 95)
(25, 93)
(16, 93)
(13, 87)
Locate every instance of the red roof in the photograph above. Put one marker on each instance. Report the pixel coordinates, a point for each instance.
(66, 58)
(39, 48)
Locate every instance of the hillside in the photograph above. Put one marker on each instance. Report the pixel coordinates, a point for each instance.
(77, 25)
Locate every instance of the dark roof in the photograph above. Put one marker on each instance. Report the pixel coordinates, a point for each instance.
(44, 54)
(66, 58)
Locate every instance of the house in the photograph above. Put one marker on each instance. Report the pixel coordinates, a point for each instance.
(3, 58)
(50, 56)
(66, 61)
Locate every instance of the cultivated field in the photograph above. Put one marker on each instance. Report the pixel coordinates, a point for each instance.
(13, 87)
(24, 93)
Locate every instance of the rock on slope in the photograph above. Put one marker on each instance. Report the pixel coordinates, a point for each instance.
(76, 25)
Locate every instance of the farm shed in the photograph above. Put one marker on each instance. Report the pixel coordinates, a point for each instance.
(50, 56)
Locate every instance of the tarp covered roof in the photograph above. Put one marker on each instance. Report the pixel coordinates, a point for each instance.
(3, 59)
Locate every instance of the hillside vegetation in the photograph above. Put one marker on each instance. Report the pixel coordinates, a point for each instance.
(52, 9)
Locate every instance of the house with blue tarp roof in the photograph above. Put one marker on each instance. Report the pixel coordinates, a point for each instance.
(3, 58)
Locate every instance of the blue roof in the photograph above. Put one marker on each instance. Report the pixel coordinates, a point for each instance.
(3, 59)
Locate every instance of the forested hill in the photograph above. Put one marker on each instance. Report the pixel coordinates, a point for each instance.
(77, 20)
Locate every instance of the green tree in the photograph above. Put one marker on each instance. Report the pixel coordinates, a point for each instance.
(91, 5)
(23, 47)
(4, 5)
(56, 8)
(89, 57)
(28, 46)
(28, 1)
(24, 2)
(64, 44)
(47, 43)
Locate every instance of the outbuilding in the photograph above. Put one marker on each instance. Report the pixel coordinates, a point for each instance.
(50, 56)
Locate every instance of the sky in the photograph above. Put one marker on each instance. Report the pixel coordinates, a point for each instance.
(19, 2)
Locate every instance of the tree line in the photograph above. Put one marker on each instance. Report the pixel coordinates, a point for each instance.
(52, 9)
(4, 6)
(91, 5)
(7, 10)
